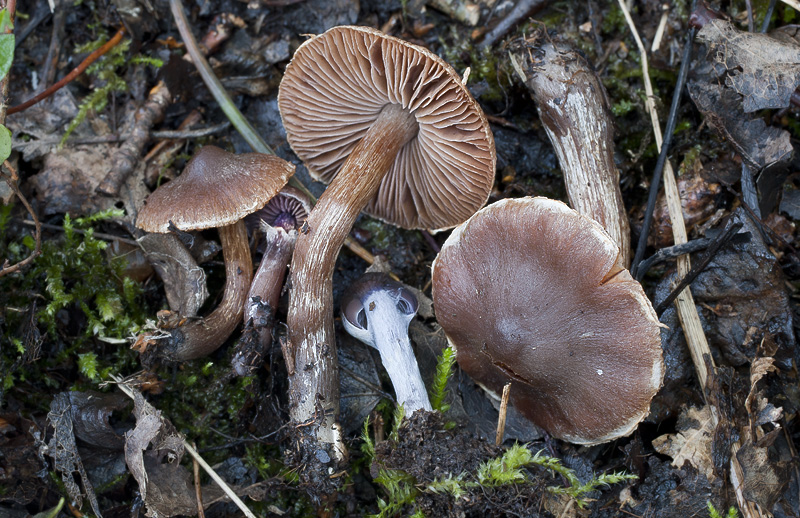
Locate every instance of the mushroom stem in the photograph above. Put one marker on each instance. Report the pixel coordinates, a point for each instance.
(311, 332)
(390, 338)
(575, 111)
(202, 337)
(268, 280)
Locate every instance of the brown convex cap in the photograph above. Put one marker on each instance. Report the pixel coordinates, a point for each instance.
(336, 86)
(531, 292)
(216, 188)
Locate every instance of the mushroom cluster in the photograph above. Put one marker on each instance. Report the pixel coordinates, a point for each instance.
(217, 189)
(530, 292)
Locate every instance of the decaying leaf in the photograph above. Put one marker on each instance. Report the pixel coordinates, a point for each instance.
(64, 451)
(764, 477)
(760, 145)
(90, 413)
(184, 281)
(151, 428)
(764, 69)
(692, 443)
(68, 178)
(20, 464)
(759, 410)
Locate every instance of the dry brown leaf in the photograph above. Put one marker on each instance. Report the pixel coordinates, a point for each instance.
(63, 449)
(693, 441)
(763, 69)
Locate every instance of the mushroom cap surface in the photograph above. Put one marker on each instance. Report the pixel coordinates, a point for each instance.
(336, 86)
(216, 188)
(531, 292)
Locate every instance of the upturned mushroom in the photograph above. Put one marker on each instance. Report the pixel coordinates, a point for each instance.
(377, 311)
(405, 141)
(279, 221)
(216, 190)
(530, 292)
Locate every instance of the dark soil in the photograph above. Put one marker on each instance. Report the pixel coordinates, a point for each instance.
(68, 319)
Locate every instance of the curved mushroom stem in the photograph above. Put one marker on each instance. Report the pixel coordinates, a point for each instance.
(269, 277)
(312, 363)
(202, 337)
(262, 300)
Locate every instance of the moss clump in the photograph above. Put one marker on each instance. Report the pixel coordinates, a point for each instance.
(66, 308)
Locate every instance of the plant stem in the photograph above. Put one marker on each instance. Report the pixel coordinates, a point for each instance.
(94, 56)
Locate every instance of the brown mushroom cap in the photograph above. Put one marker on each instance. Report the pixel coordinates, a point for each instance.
(335, 88)
(531, 292)
(216, 188)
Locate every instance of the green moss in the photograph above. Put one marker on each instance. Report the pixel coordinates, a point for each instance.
(489, 68)
(713, 513)
(444, 368)
(72, 282)
(106, 72)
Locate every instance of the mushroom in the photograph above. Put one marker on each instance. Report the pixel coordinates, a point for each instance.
(405, 141)
(279, 220)
(216, 190)
(377, 310)
(530, 292)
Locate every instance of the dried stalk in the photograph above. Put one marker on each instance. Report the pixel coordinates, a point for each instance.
(91, 58)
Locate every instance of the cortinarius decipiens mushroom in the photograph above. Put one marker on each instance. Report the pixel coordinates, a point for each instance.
(531, 292)
(405, 141)
(216, 190)
(377, 311)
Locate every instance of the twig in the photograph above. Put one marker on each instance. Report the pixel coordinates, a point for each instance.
(672, 252)
(196, 456)
(213, 474)
(501, 418)
(108, 139)
(675, 251)
(684, 302)
(128, 156)
(98, 235)
(655, 183)
(768, 15)
(715, 247)
(11, 180)
(225, 102)
(520, 11)
(91, 58)
(751, 26)
(152, 112)
(198, 491)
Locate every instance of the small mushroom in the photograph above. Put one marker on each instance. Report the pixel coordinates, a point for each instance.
(280, 220)
(377, 311)
(405, 141)
(530, 292)
(216, 190)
